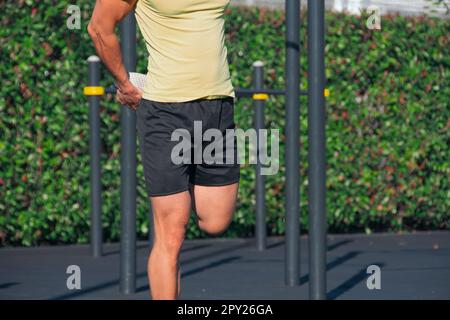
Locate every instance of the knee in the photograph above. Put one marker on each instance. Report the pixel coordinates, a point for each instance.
(213, 227)
(170, 243)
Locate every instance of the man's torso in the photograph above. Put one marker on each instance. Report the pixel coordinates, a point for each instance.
(187, 54)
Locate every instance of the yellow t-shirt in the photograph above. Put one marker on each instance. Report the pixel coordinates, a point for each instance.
(187, 53)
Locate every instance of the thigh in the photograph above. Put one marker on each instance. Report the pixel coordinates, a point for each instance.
(171, 215)
(214, 202)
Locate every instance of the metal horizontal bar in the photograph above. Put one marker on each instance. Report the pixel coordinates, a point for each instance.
(248, 93)
(111, 89)
(240, 92)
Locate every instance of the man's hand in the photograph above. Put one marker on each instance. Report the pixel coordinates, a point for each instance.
(106, 15)
(128, 95)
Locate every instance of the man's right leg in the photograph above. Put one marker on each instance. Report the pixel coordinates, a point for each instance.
(171, 216)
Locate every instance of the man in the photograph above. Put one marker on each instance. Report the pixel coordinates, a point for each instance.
(188, 80)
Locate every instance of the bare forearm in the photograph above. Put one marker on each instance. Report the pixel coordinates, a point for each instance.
(108, 48)
(106, 15)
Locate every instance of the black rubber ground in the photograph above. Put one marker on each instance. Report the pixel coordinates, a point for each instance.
(413, 266)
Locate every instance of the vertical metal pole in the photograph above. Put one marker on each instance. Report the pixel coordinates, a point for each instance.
(292, 263)
(260, 226)
(95, 150)
(316, 153)
(128, 167)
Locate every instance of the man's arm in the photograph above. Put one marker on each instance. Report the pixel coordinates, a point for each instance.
(106, 15)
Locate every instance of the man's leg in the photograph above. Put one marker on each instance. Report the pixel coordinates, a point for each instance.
(214, 206)
(171, 215)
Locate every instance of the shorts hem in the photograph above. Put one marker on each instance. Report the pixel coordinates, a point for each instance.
(215, 184)
(151, 194)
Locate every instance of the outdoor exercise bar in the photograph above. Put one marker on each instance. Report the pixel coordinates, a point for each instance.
(316, 152)
(258, 104)
(128, 167)
(96, 233)
(243, 92)
(292, 153)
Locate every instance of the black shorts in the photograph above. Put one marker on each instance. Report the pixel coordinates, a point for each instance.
(156, 122)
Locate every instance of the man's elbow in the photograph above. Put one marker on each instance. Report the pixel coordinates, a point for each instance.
(91, 30)
(95, 30)
(98, 31)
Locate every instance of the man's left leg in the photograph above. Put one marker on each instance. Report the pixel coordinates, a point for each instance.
(214, 206)
(214, 186)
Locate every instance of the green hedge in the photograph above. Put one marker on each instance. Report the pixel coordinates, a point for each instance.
(387, 124)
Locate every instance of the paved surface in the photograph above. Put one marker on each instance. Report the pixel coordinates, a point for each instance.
(413, 266)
